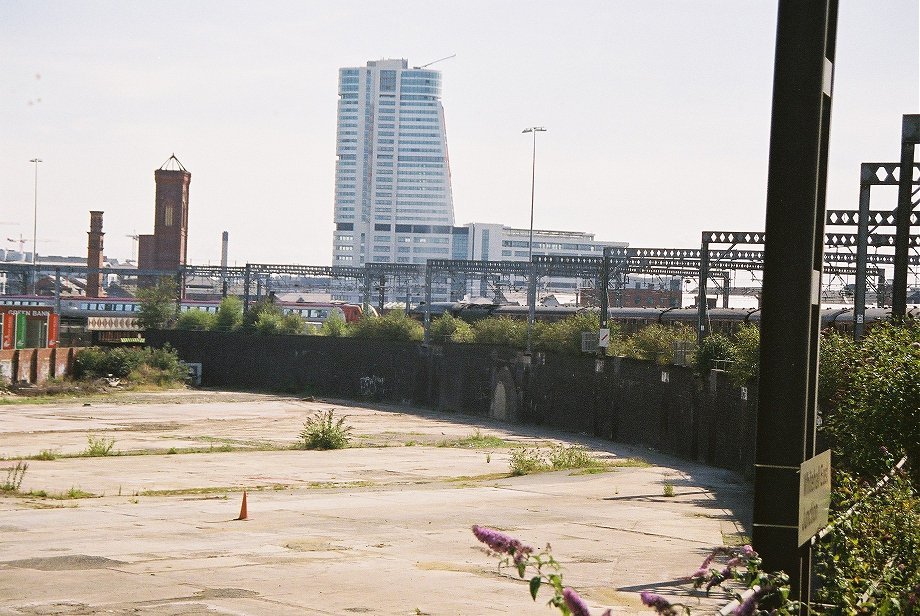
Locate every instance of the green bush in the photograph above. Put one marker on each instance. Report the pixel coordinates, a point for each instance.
(868, 563)
(656, 342)
(500, 330)
(565, 336)
(324, 431)
(98, 446)
(138, 365)
(839, 356)
(293, 324)
(714, 348)
(229, 315)
(878, 406)
(395, 325)
(449, 328)
(88, 363)
(197, 320)
(524, 461)
(745, 355)
(335, 326)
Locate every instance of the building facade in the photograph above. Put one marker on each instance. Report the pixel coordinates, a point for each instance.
(393, 201)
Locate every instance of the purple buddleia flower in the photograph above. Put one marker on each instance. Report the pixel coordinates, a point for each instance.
(575, 603)
(748, 552)
(659, 603)
(501, 543)
(748, 607)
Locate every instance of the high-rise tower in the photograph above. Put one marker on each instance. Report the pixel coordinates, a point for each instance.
(393, 200)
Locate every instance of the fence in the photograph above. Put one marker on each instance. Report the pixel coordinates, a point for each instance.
(35, 366)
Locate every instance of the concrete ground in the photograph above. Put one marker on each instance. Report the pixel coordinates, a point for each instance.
(382, 527)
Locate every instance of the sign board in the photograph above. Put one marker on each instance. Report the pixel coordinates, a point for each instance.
(814, 495)
(20, 330)
(588, 342)
(604, 338)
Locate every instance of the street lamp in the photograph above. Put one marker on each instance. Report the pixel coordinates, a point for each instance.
(533, 178)
(532, 281)
(35, 230)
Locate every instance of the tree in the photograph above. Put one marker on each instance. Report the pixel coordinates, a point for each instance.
(157, 305)
(229, 316)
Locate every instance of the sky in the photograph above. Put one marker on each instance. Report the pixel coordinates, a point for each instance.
(657, 113)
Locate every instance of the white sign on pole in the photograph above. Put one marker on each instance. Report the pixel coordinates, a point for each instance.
(814, 495)
(604, 339)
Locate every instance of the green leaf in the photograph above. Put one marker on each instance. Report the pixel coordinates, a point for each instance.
(535, 586)
(521, 567)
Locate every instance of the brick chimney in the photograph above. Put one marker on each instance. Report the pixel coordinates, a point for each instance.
(94, 256)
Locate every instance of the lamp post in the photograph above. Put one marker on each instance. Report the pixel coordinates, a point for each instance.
(533, 179)
(35, 161)
(532, 278)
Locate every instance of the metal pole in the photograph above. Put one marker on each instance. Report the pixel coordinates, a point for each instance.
(702, 318)
(35, 160)
(247, 276)
(862, 249)
(531, 302)
(910, 136)
(533, 182)
(726, 288)
(428, 277)
(793, 263)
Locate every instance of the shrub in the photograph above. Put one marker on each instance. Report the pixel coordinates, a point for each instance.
(714, 348)
(139, 365)
(524, 461)
(565, 336)
(197, 320)
(500, 330)
(324, 431)
(656, 342)
(572, 456)
(839, 356)
(229, 315)
(395, 325)
(868, 563)
(292, 324)
(334, 326)
(745, 355)
(88, 363)
(449, 328)
(879, 406)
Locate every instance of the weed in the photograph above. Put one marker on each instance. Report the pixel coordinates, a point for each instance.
(476, 440)
(75, 492)
(45, 454)
(669, 490)
(38, 493)
(172, 451)
(14, 476)
(411, 443)
(97, 446)
(629, 463)
(524, 461)
(488, 457)
(572, 456)
(324, 431)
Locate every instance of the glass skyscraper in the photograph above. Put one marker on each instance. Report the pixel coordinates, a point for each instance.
(393, 200)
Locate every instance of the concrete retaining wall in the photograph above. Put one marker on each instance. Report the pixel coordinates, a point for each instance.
(667, 408)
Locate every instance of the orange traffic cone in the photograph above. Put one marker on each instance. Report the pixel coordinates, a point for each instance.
(243, 513)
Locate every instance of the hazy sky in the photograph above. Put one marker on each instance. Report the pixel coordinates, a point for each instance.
(658, 113)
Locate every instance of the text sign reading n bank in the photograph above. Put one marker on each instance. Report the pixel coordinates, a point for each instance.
(814, 495)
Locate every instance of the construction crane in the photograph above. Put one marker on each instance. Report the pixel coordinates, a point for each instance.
(436, 61)
(133, 246)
